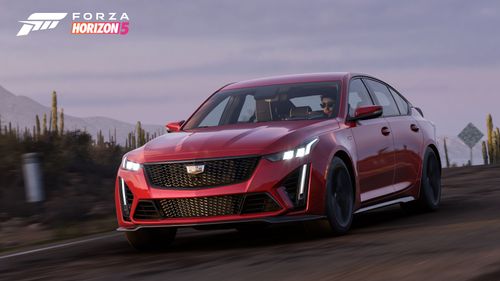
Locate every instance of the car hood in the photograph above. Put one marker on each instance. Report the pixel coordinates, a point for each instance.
(231, 140)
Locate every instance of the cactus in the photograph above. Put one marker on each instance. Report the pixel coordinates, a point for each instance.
(140, 134)
(38, 129)
(446, 154)
(129, 141)
(100, 139)
(491, 148)
(61, 122)
(496, 145)
(485, 153)
(54, 113)
(497, 149)
(44, 124)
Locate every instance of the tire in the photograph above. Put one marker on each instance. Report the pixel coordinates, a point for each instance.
(430, 186)
(339, 197)
(147, 239)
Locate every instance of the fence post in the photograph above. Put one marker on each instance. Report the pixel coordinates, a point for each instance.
(32, 174)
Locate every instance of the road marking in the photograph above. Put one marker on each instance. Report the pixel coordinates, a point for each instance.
(57, 246)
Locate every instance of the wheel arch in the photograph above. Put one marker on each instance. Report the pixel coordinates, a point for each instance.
(346, 158)
(436, 152)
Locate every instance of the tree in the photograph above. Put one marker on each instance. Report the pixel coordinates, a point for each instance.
(54, 112)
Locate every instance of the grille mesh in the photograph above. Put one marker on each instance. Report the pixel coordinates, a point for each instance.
(201, 206)
(205, 206)
(216, 173)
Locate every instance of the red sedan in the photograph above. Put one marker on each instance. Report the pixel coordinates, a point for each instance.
(281, 149)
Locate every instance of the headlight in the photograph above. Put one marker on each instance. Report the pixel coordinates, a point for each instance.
(298, 152)
(129, 165)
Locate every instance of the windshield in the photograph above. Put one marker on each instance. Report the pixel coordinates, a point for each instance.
(302, 101)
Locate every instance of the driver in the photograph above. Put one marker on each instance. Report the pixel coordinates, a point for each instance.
(327, 104)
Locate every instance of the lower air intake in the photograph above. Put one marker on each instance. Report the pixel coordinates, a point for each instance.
(205, 206)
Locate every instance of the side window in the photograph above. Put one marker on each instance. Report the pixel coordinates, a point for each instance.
(213, 118)
(247, 113)
(383, 97)
(402, 104)
(358, 96)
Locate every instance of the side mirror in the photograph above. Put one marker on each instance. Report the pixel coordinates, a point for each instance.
(367, 112)
(174, 126)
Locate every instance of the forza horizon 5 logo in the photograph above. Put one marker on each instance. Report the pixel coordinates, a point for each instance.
(82, 23)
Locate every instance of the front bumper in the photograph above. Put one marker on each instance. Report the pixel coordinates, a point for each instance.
(267, 178)
(266, 220)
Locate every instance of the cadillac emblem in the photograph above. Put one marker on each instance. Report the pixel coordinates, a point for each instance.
(195, 169)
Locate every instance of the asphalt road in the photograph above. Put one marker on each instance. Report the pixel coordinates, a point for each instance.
(461, 241)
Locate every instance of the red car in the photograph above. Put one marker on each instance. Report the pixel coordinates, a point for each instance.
(281, 149)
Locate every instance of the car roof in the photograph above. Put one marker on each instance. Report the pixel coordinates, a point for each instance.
(293, 78)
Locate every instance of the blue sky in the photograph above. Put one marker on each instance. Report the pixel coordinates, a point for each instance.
(444, 56)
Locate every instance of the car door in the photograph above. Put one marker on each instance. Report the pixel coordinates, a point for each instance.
(374, 146)
(405, 133)
(408, 141)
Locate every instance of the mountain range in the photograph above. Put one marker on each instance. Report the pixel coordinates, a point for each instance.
(21, 112)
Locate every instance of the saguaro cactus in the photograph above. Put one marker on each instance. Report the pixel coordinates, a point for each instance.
(497, 149)
(140, 134)
(54, 112)
(61, 121)
(44, 124)
(38, 129)
(496, 145)
(489, 128)
(485, 153)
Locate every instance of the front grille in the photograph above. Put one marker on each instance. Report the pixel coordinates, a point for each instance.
(216, 173)
(205, 206)
(201, 206)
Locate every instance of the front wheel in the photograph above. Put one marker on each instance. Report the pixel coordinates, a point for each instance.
(339, 197)
(430, 186)
(151, 238)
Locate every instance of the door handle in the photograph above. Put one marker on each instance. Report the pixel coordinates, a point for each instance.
(385, 131)
(414, 127)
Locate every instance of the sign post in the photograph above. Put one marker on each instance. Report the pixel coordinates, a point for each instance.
(470, 135)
